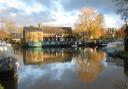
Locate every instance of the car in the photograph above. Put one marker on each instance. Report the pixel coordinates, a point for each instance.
(8, 63)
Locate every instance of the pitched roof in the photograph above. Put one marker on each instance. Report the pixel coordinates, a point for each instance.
(31, 28)
(50, 30)
(57, 30)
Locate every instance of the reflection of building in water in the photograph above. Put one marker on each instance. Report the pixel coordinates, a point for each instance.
(38, 55)
(9, 84)
(89, 64)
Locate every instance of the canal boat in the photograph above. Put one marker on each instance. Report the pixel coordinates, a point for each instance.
(101, 44)
(51, 43)
(96, 43)
(78, 44)
(8, 63)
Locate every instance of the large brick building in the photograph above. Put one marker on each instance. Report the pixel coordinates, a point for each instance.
(35, 35)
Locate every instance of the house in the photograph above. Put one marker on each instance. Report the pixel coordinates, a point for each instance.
(112, 31)
(57, 36)
(47, 36)
(57, 33)
(16, 37)
(32, 36)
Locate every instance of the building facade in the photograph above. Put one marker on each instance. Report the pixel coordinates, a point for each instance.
(47, 36)
(32, 36)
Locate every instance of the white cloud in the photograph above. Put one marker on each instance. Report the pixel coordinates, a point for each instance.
(26, 9)
(22, 11)
(64, 18)
(12, 3)
(35, 8)
(61, 17)
(13, 14)
(113, 21)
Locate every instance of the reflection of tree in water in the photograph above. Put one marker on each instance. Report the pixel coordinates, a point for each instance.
(89, 65)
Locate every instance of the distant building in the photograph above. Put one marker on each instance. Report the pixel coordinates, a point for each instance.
(3, 26)
(16, 36)
(111, 30)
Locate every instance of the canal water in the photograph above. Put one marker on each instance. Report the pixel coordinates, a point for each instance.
(68, 68)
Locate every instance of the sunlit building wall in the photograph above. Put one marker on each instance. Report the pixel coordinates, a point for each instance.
(32, 36)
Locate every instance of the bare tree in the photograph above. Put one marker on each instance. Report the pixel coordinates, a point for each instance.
(89, 24)
(123, 11)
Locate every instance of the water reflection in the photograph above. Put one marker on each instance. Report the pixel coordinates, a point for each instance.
(9, 84)
(123, 84)
(89, 64)
(46, 56)
(66, 68)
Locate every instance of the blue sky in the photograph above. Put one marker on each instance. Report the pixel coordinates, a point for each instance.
(55, 12)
